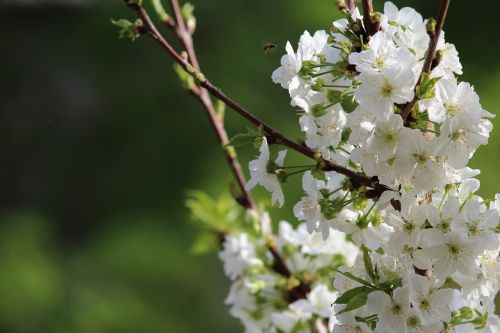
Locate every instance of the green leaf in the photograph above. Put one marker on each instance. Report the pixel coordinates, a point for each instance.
(319, 174)
(349, 294)
(355, 278)
(367, 261)
(356, 301)
(497, 229)
(206, 242)
(251, 136)
(243, 139)
(426, 88)
(346, 132)
(221, 215)
(450, 283)
(349, 104)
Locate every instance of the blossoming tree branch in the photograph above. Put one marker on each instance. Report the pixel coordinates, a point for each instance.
(392, 237)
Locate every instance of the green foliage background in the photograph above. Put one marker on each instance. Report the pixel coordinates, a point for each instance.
(99, 145)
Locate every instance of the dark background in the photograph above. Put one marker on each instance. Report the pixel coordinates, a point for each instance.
(99, 144)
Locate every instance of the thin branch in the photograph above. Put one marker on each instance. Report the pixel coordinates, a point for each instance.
(201, 94)
(273, 135)
(431, 54)
(367, 15)
(279, 264)
(184, 34)
(201, 89)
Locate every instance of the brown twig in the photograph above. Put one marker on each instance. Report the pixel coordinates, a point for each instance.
(201, 89)
(279, 264)
(370, 27)
(179, 26)
(431, 54)
(273, 135)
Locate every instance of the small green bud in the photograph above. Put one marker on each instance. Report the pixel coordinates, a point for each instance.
(363, 222)
(187, 13)
(360, 203)
(255, 286)
(376, 17)
(431, 26)
(292, 282)
(160, 11)
(186, 79)
(449, 187)
(376, 219)
(220, 108)
(439, 56)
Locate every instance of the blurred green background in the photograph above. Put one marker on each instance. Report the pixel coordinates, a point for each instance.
(99, 144)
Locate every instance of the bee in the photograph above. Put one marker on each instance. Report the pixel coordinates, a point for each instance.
(268, 47)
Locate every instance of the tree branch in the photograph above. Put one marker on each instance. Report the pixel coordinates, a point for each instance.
(273, 135)
(431, 54)
(201, 94)
(370, 27)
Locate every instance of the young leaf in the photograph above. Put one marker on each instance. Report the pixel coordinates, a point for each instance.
(367, 260)
(356, 301)
(251, 136)
(128, 29)
(242, 139)
(348, 295)
(355, 278)
(206, 242)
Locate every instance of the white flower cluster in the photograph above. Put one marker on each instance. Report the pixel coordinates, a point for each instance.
(429, 260)
(268, 301)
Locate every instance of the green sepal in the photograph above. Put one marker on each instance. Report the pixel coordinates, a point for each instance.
(427, 86)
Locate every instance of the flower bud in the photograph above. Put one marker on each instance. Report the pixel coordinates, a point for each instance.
(431, 26)
(376, 17)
